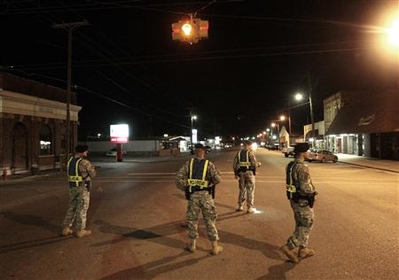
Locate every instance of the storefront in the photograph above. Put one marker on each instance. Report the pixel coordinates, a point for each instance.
(368, 126)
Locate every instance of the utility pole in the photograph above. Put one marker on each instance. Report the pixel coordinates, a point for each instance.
(69, 27)
(311, 109)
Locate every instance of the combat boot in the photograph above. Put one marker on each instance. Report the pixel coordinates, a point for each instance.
(192, 245)
(289, 253)
(305, 252)
(251, 210)
(216, 249)
(240, 208)
(66, 231)
(83, 232)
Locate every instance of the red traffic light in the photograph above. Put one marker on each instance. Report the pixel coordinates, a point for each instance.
(190, 31)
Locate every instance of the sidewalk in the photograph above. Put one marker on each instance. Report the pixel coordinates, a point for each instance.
(381, 164)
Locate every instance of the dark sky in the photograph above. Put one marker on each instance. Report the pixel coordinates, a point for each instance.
(126, 67)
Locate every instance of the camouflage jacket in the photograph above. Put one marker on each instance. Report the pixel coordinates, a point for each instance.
(212, 175)
(299, 172)
(251, 161)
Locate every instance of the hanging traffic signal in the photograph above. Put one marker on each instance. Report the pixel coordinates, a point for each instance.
(190, 30)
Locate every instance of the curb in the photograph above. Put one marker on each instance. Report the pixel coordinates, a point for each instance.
(371, 167)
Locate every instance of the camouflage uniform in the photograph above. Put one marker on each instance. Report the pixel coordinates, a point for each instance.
(244, 167)
(298, 176)
(200, 200)
(79, 195)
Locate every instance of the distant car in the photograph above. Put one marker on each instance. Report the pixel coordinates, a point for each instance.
(322, 156)
(112, 152)
(289, 151)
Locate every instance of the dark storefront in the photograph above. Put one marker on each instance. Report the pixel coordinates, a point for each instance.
(368, 126)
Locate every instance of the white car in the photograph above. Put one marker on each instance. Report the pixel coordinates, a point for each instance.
(112, 152)
(322, 156)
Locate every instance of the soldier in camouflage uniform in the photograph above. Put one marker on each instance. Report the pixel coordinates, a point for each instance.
(244, 167)
(301, 193)
(197, 178)
(79, 172)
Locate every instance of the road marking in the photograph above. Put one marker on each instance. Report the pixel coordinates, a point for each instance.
(166, 173)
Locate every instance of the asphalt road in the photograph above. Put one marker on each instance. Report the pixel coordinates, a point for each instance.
(137, 223)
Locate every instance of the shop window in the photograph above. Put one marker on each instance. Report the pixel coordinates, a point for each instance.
(45, 141)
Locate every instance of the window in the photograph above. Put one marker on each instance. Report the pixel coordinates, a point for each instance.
(45, 140)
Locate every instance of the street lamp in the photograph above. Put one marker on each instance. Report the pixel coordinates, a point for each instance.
(394, 33)
(393, 38)
(282, 118)
(192, 118)
(298, 97)
(278, 131)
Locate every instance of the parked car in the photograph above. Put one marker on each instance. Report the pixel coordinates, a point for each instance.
(112, 152)
(322, 156)
(289, 151)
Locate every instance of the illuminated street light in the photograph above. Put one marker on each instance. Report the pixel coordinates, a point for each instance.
(394, 34)
(278, 132)
(393, 38)
(283, 118)
(300, 96)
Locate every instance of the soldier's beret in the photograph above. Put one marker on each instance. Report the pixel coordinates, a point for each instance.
(301, 147)
(81, 148)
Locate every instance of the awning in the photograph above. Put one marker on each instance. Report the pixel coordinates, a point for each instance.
(376, 112)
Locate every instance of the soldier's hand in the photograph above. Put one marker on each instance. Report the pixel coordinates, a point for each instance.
(258, 164)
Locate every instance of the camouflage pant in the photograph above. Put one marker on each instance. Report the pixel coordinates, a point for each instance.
(304, 217)
(202, 202)
(79, 199)
(246, 185)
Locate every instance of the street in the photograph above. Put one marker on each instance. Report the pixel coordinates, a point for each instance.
(137, 215)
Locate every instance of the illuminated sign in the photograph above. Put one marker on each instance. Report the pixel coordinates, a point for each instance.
(119, 133)
(195, 138)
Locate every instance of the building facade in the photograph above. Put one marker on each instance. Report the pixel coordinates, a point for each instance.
(33, 125)
(363, 123)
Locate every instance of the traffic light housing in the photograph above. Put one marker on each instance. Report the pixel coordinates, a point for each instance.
(190, 30)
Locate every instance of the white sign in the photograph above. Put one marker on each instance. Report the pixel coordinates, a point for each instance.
(119, 133)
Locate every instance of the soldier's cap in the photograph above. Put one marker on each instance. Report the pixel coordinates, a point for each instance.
(247, 142)
(301, 147)
(200, 146)
(81, 148)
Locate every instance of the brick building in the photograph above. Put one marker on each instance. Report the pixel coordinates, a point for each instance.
(33, 125)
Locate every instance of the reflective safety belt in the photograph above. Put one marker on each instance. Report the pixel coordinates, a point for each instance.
(202, 183)
(75, 177)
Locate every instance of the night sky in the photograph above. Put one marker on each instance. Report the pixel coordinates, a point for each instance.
(126, 68)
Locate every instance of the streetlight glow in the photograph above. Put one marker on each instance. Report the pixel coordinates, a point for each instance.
(298, 96)
(187, 28)
(394, 33)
